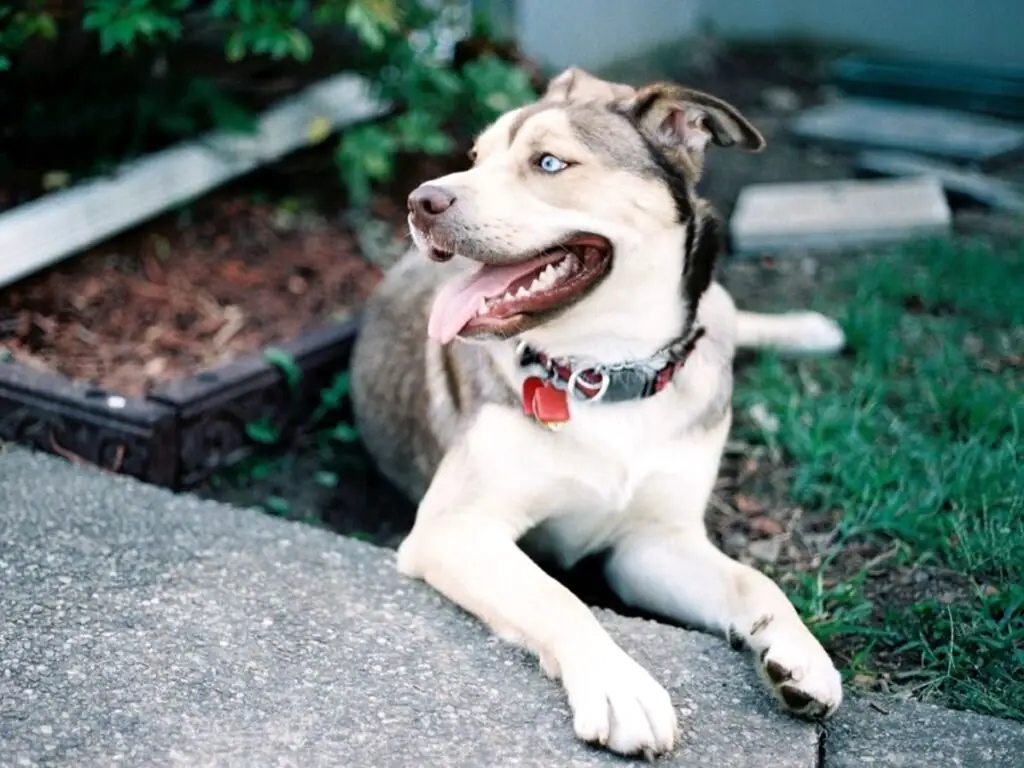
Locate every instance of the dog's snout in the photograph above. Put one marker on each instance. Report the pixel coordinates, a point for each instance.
(428, 201)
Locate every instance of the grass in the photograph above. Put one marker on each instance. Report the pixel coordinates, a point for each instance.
(915, 445)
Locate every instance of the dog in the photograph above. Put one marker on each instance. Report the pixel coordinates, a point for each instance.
(548, 373)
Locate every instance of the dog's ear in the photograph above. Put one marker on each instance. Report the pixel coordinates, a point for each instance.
(574, 84)
(680, 119)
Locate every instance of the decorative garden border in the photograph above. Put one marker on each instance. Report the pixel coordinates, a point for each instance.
(183, 431)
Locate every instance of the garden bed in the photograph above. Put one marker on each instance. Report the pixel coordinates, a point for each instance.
(148, 354)
(187, 293)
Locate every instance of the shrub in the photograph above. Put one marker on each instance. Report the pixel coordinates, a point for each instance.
(87, 83)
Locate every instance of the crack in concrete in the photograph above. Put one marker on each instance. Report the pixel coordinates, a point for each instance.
(822, 752)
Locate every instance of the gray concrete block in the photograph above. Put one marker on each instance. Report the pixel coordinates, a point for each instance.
(140, 628)
(838, 214)
(863, 123)
(882, 732)
(987, 190)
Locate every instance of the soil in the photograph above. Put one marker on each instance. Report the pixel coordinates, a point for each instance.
(186, 293)
(251, 265)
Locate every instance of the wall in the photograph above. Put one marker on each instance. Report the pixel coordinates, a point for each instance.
(983, 32)
(597, 33)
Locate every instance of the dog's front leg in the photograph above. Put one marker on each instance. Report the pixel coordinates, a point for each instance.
(464, 545)
(672, 570)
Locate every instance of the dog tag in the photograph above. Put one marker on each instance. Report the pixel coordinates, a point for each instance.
(547, 404)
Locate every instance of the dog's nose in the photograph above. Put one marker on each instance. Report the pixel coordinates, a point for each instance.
(428, 201)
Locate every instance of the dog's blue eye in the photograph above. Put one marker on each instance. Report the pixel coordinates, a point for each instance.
(551, 164)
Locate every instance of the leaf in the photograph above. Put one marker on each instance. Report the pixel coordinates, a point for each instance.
(221, 9)
(276, 505)
(363, 155)
(332, 396)
(326, 479)
(262, 432)
(344, 433)
(301, 45)
(285, 363)
(318, 130)
(384, 12)
(46, 26)
(279, 47)
(234, 48)
(263, 470)
(366, 27)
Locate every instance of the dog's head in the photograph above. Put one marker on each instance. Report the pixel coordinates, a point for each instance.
(580, 211)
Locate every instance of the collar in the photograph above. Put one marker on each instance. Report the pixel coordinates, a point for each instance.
(553, 381)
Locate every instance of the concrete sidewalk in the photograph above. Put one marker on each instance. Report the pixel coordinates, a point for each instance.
(148, 629)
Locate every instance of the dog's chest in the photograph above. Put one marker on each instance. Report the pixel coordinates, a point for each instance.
(620, 462)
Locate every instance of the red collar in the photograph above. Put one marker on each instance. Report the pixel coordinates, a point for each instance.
(546, 393)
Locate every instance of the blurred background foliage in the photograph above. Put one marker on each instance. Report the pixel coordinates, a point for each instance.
(87, 84)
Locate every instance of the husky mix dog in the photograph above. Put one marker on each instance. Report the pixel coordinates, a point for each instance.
(549, 371)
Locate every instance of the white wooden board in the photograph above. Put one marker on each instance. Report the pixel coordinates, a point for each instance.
(49, 229)
(839, 214)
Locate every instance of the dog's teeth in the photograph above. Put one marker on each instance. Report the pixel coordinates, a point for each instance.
(522, 293)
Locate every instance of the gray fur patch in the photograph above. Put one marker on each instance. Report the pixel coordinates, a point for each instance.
(612, 137)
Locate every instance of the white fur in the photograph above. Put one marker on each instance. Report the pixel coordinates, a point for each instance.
(796, 332)
(635, 479)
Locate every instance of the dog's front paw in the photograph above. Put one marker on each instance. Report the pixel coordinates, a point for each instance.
(617, 704)
(801, 674)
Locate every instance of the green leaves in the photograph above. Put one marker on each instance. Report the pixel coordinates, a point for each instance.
(285, 363)
(401, 48)
(365, 155)
(372, 21)
(435, 103)
(497, 86)
(122, 23)
(17, 27)
(262, 432)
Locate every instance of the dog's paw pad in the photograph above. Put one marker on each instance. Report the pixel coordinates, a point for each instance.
(618, 705)
(802, 676)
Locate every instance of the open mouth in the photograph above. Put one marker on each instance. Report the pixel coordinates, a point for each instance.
(501, 299)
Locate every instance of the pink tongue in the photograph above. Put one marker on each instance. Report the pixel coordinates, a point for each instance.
(459, 300)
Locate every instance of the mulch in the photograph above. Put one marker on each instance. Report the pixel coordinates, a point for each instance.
(185, 293)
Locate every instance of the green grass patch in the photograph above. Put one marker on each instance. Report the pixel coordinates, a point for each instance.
(917, 439)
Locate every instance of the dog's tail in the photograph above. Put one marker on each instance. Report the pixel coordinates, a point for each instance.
(796, 332)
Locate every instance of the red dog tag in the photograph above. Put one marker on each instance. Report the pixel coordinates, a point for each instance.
(546, 403)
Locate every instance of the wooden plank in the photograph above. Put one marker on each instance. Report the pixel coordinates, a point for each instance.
(840, 214)
(49, 229)
(989, 191)
(863, 123)
(991, 90)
